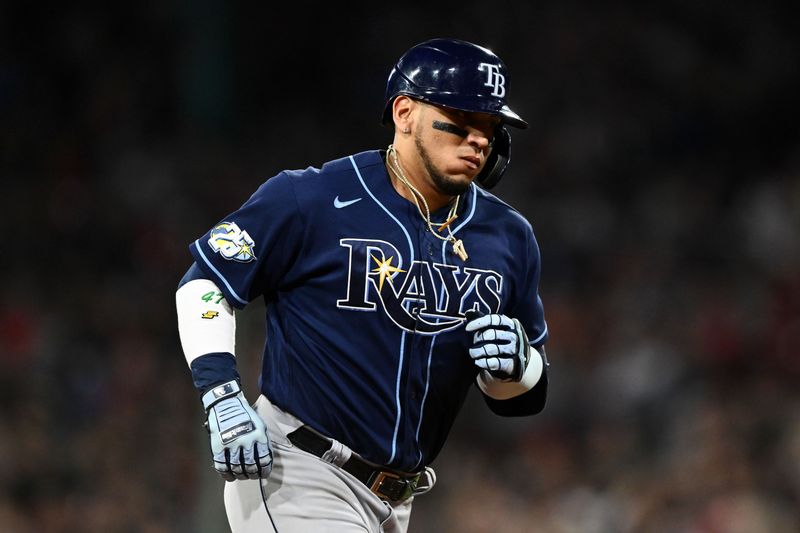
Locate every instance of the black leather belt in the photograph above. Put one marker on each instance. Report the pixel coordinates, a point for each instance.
(387, 484)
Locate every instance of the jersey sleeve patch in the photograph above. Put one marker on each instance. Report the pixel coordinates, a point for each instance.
(232, 242)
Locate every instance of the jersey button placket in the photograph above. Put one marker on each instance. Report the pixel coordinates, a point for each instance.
(425, 244)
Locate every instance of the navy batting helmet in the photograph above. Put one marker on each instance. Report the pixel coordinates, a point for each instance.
(458, 75)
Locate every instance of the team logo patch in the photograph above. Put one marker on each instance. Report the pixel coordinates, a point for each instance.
(210, 315)
(232, 242)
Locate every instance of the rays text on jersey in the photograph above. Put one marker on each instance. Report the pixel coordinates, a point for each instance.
(424, 297)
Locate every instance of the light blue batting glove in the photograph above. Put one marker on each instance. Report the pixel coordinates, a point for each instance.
(499, 346)
(240, 443)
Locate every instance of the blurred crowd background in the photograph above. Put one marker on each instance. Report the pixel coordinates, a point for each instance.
(661, 174)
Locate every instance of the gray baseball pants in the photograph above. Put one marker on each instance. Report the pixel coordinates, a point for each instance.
(306, 493)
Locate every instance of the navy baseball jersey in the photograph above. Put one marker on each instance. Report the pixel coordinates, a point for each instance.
(366, 308)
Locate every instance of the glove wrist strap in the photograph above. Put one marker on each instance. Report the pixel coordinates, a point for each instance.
(525, 355)
(220, 392)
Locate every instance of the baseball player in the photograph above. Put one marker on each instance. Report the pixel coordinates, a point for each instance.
(394, 283)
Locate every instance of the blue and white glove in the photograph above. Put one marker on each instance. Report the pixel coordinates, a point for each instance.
(240, 443)
(499, 346)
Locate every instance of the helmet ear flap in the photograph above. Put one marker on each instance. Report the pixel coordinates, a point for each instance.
(498, 159)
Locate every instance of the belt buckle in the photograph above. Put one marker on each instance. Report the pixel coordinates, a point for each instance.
(376, 485)
(402, 490)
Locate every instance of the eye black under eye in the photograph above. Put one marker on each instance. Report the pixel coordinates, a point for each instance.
(450, 128)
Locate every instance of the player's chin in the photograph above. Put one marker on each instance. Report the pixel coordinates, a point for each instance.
(463, 180)
(465, 175)
(455, 184)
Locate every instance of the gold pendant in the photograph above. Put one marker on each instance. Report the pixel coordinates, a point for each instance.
(447, 223)
(458, 249)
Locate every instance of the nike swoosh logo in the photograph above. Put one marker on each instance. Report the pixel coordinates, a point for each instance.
(338, 204)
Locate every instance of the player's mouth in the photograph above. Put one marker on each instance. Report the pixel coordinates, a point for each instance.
(473, 161)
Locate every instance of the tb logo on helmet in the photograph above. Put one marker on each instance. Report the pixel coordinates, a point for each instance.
(494, 79)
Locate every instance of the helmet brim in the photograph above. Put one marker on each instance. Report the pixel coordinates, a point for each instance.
(505, 113)
(512, 119)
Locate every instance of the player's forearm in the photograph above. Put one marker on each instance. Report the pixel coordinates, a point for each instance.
(207, 328)
(526, 404)
(211, 369)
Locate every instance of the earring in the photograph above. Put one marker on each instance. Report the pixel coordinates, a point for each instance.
(407, 130)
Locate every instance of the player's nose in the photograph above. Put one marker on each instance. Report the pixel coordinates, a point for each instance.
(478, 140)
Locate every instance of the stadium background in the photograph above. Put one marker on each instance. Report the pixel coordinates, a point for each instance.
(661, 173)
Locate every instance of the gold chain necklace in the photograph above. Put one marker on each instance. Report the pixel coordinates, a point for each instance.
(458, 244)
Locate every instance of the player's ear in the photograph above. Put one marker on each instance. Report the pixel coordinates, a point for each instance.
(403, 113)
